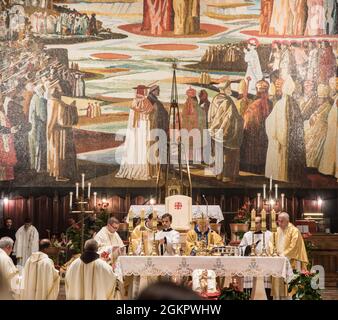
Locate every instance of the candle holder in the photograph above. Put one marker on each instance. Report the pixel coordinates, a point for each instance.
(253, 229)
(154, 227)
(130, 230)
(142, 245)
(274, 232)
(83, 205)
(142, 229)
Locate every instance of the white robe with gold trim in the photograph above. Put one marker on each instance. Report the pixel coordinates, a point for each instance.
(92, 281)
(40, 279)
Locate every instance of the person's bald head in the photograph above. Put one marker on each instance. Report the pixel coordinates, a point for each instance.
(44, 244)
(283, 220)
(91, 245)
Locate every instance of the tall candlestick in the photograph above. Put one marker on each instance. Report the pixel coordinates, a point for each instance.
(131, 222)
(155, 219)
(89, 185)
(276, 191)
(264, 191)
(273, 221)
(263, 214)
(83, 178)
(253, 217)
(270, 183)
(95, 194)
(283, 195)
(77, 190)
(142, 219)
(70, 200)
(258, 200)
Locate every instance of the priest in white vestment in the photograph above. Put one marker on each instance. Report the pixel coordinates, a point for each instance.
(40, 279)
(90, 278)
(9, 274)
(167, 237)
(27, 242)
(109, 240)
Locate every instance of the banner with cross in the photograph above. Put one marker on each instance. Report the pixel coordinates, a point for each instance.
(180, 207)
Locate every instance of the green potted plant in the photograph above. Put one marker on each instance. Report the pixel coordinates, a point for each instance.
(304, 286)
(233, 293)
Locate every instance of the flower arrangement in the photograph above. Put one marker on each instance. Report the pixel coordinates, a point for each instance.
(304, 286)
(243, 214)
(233, 293)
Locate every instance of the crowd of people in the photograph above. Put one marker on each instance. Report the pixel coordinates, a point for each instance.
(36, 125)
(32, 275)
(299, 18)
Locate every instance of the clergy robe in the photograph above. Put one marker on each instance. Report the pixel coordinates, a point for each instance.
(8, 272)
(40, 279)
(255, 140)
(37, 136)
(147, 237)
(170, 237)
(254, 70)
(315, 134)
(27, 242)
(107, 240)
(90, 278)
(226, 127)
(279, 18)
(61, 154)
(290, 244)
(329, 161)
(285, 159)
(194, 235)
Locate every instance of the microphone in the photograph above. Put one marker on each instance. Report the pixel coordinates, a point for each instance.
(206, 201)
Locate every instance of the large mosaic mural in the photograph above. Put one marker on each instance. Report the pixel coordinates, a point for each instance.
(86, 87)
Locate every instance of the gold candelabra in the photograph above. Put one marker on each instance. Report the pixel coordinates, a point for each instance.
(263, 215)
(130, 230)
(82, 204)
(142, 229)
(154, 227)
(274, 232)
(253, 229)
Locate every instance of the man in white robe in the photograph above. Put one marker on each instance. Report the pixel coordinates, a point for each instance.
(9, 274)
(109, 240)
(90, 278)
(40, 279)
(254, 70)
(167, 237)
(27, 242)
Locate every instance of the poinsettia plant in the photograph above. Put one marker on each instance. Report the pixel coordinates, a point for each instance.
(243, 214)
(304, 286)
(233, 293)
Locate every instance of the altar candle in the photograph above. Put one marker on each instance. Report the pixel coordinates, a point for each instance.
(253, 217)
(264, 191)
(131, 223)
(276, 191)
(83, 178)
(70, 200)
(258, 200)
(155, 219)
(142, 218)
(263, 213)
(95, 194)
(77, 190)
(283, 195)
(273, 221)
(89, 185)
(270, 183)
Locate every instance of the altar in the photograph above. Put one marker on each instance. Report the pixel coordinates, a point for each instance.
(223, 266)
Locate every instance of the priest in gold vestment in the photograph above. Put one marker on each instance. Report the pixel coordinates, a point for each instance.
(290, 244)
(202, 231)
(40, 279)
(145, 236)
